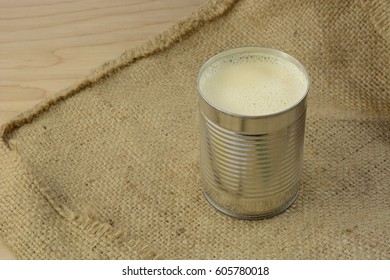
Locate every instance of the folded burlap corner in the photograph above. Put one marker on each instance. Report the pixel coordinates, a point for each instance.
(108, 169)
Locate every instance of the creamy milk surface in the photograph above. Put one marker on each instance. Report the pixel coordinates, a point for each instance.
(253, 84)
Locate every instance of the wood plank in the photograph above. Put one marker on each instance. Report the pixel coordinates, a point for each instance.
(47, 45)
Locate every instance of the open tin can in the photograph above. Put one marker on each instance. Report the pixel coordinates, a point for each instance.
(251, 161)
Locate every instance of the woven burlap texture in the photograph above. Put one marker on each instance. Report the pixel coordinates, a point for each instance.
(109, 168)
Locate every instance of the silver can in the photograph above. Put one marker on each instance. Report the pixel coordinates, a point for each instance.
(250, 165)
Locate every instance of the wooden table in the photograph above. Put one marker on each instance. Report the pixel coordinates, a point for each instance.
(46, 45)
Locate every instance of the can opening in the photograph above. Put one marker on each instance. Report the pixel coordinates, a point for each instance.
(253, 81)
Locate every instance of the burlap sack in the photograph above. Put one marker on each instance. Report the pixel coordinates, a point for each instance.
(108, 168)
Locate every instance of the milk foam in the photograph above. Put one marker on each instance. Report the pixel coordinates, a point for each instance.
(253, 84)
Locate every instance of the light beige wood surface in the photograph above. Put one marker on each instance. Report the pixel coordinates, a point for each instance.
(46, 45)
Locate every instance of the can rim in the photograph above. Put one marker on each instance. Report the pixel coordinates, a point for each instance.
(264, 50)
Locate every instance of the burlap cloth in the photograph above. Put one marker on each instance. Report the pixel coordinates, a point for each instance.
(109, 168)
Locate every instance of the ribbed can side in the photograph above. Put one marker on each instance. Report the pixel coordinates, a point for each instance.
(251, 175)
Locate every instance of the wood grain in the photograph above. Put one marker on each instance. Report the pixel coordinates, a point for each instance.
(46, 45)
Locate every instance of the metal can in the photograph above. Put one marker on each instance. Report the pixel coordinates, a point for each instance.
(250, 165)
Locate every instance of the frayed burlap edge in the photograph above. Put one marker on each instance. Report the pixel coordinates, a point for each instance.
(161, 42)
(210, 11)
